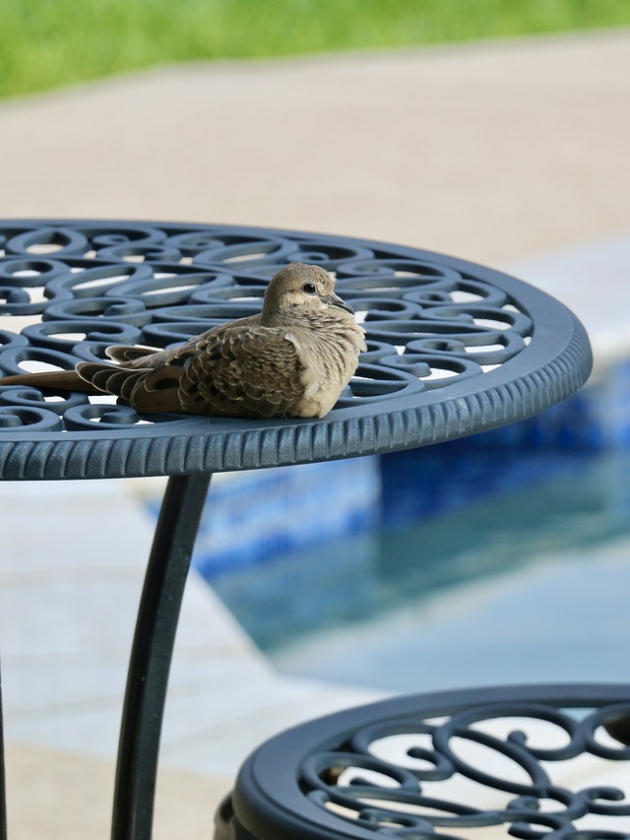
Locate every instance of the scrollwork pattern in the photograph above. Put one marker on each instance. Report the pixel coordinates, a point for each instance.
(388, 776)
(438, 333)
(427, 324)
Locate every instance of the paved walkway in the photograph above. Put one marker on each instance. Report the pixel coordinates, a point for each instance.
(494, 152)
(67, 613)
(498, 152)
(502, 153)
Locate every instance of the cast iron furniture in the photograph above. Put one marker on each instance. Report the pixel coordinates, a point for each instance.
(387, 769)
(453, 349)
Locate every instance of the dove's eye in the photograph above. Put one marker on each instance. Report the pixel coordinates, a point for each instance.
(309, 288)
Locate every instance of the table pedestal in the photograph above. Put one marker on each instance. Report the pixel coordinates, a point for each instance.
(151, 655)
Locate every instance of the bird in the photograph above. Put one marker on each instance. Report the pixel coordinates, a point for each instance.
(293, 359)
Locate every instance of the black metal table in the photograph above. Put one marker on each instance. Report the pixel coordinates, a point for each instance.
(453, 348)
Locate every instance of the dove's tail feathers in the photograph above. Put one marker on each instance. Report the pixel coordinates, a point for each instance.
(148, 391)
(127, 353)
(110, 379)
(145, 358)
(62, 380)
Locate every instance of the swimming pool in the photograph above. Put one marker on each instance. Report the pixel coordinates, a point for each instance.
(522, 581)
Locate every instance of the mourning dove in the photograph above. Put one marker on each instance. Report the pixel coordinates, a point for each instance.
(293, 359)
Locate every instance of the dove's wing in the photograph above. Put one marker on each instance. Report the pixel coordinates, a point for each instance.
(242, 370)
(237, 370)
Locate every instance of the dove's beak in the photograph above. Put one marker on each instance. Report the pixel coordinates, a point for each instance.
(335, 300)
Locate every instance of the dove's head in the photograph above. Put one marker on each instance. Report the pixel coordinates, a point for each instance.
(301, 290)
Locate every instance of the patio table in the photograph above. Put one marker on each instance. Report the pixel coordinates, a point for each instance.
(453, 349)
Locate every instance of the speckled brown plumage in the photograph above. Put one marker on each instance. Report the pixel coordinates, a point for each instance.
(293, 359)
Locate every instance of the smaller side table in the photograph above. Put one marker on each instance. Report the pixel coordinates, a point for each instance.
(479, 763)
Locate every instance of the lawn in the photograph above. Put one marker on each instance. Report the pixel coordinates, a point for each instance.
(50, 43)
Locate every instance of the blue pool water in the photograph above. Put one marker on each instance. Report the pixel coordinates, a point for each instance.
(485, 564)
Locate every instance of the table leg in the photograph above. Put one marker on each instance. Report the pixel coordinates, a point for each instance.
(151, 655)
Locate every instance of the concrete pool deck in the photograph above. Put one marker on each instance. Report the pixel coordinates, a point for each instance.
(513, 154)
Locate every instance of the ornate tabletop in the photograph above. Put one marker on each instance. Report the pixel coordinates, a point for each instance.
(453, 348)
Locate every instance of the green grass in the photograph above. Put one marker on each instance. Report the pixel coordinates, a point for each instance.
(50, 43)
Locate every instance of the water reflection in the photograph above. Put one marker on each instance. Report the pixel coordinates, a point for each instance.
(526, 582)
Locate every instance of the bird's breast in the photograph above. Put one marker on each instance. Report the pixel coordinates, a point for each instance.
(328, 360)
